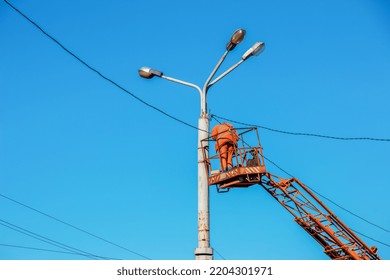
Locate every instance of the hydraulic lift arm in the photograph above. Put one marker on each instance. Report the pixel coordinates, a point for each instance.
(339, 242)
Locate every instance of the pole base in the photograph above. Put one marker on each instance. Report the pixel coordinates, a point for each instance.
(203, 253)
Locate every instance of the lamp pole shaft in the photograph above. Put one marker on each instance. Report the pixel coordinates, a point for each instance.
(204, 251)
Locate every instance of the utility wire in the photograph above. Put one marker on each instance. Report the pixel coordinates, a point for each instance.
(303, 134)
(328, 199)
(48, 240)
(14, 228)
(215, 250)
(372, 238)
(72, 226)
(47, 250)
(169, 115)
(97, 72)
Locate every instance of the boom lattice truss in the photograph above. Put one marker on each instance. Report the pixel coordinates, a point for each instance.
(339, 242)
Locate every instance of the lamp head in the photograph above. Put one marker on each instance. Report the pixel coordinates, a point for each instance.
(256, 49)
(236, 38)
(148, 73)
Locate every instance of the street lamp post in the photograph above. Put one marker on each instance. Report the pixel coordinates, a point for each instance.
(204, 251)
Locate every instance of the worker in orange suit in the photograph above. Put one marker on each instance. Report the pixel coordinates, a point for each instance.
(226, 138)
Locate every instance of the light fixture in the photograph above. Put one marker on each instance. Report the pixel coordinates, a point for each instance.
(148, 73)
(236, 38)
(256, 49)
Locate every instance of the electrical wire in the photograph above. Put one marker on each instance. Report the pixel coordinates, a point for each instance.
(219, 254)
(371, 238)
(79, 229)
(303, 134)
(74, 227)
(48, 240)
(48, 250)
(98, 72)
(169, 115)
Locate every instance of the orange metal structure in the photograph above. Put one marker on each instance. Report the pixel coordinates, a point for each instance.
(339, 241)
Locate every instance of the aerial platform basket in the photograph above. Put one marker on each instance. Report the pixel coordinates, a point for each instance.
(248, 162)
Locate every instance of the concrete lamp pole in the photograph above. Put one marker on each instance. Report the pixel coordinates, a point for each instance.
(204, 251)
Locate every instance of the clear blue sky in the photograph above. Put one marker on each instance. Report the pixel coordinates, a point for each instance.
(76, 147)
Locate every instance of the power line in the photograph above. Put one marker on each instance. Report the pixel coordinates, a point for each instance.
(72, 226)
(173, 117)
(372, 238)
(304, 134)
(169, 115)
(47, 250)
(97, 72)
(48, 240)
(215, 250)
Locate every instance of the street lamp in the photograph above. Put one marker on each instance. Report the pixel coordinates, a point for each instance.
(255, 50)
(204, 251)
(148, 73)
(236, 38)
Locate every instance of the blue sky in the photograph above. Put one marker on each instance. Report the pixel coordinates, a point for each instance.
(76, 147)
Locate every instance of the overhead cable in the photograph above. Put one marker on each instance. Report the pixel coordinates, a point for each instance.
(219, 253)
(97, 72)
(48, 240)
(371, 238)
(72, 226)
(304, 134)
(169, 115)
(48, 250)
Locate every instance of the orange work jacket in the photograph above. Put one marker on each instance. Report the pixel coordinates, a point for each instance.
(224, 133)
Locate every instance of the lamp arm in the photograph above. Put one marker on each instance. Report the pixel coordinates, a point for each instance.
(225, 73)
(206, 84)
(203, 105)
(182, 83)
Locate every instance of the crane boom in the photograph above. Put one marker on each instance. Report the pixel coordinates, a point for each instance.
(339, 241)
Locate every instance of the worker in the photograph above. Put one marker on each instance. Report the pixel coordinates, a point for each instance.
(226, 139)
